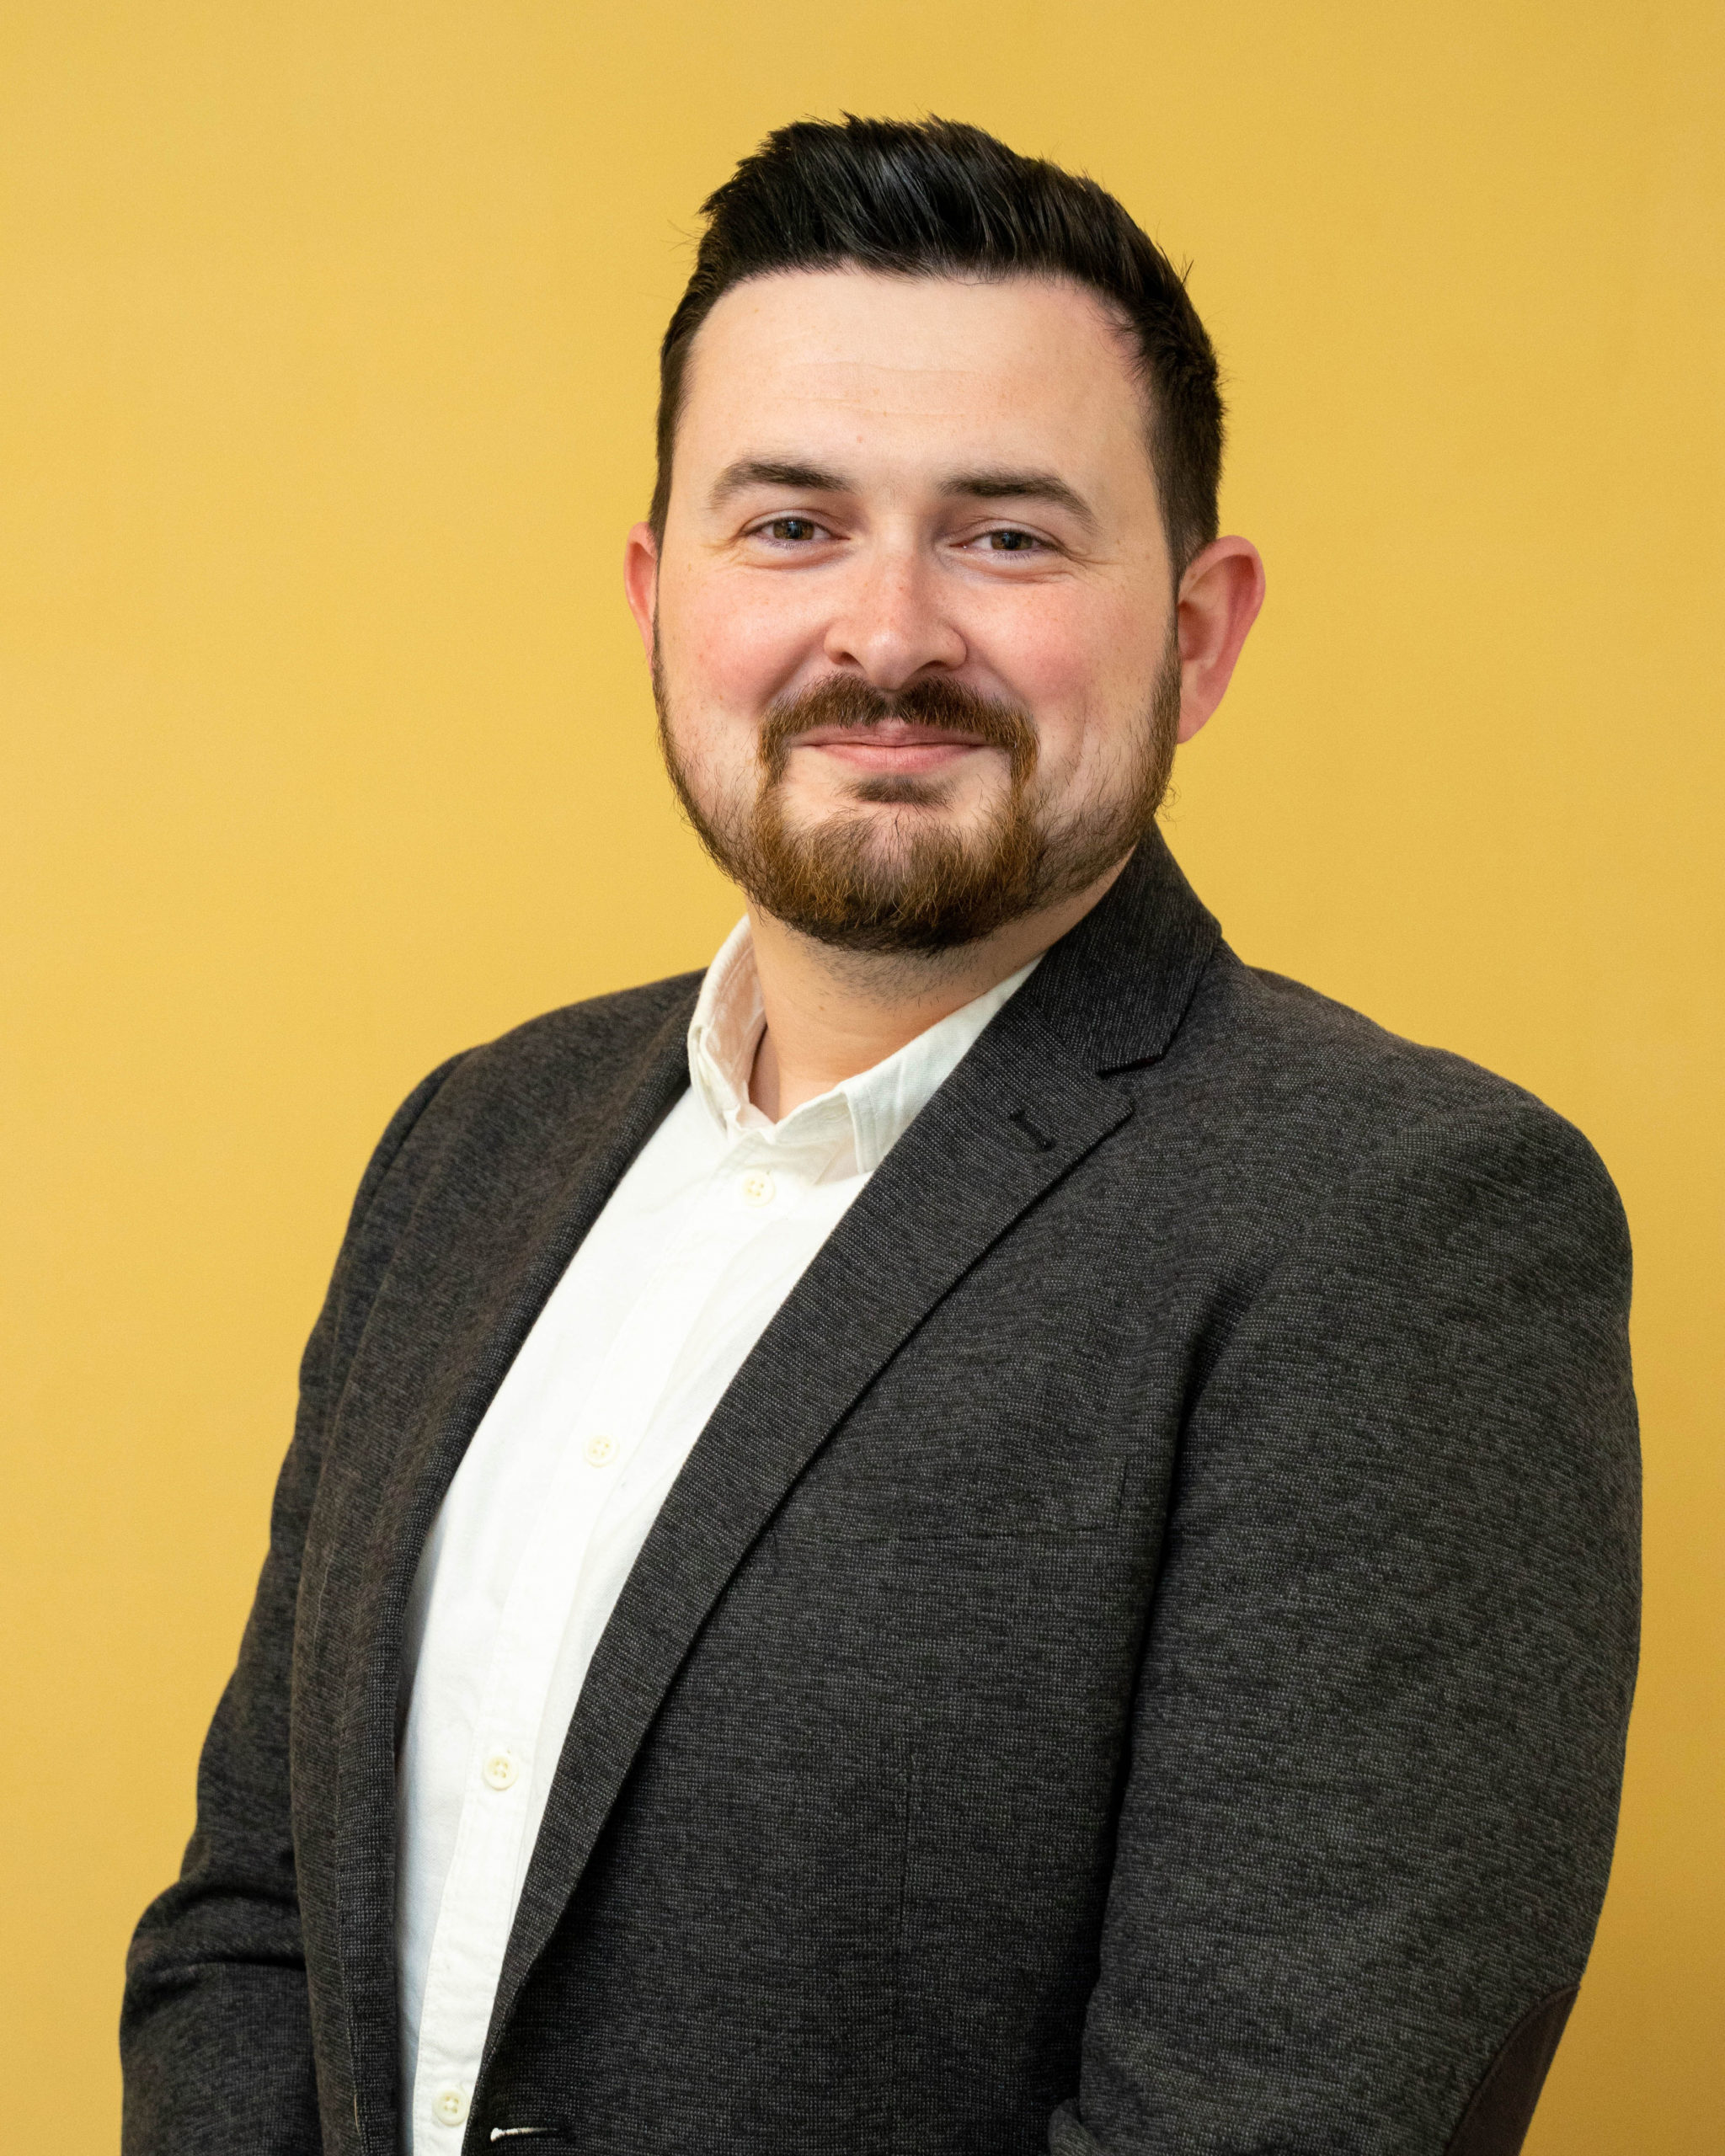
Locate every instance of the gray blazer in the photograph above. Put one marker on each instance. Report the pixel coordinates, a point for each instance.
(1136, 1663)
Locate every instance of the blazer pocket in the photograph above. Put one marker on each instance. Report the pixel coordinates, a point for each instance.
(941, 1448)
(914, 1511)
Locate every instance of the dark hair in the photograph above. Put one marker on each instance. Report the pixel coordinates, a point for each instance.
(935, 198)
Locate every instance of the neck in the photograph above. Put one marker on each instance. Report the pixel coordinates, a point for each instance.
(831, 1013)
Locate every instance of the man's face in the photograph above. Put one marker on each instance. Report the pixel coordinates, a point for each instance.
(912, 621)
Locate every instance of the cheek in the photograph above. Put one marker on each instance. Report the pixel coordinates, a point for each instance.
(727, 649)
(1086, 665)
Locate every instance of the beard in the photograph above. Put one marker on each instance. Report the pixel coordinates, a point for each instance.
(868, 881)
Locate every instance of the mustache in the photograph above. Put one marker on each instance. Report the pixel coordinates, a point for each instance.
(842, 700)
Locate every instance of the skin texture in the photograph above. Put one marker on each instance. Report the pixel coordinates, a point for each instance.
(901, 480)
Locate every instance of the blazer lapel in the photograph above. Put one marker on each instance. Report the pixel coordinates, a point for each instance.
(1013, 1118)
(548, 1224)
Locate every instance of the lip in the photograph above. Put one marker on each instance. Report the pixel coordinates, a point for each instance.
(893, 746)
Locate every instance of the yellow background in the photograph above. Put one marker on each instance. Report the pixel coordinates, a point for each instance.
(327, 336)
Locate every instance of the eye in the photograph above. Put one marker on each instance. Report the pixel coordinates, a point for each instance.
(788, 530)
(1008, 539)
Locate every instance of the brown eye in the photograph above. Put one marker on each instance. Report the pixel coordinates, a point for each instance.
(1010, 542)
(791, 529)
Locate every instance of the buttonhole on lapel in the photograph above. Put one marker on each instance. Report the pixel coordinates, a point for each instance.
(521, 2133)
(1038, 1139)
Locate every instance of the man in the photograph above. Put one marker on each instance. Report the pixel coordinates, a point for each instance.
(985, 1530)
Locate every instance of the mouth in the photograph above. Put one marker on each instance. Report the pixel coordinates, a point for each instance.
(891, 747)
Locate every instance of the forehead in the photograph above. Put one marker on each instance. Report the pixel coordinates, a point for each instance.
(846, 358)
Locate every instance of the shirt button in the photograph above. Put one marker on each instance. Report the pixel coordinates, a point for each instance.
(500, 1771)
(758, 1188)
(450, 2106)
(599, 1450)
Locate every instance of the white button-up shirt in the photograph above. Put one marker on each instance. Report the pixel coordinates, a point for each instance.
(701, 1242)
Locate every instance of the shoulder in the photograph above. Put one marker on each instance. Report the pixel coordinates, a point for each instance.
(1345, 1118)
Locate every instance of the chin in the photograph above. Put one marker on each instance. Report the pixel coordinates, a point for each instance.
(896, 790)
(903, 792)
(895, 824)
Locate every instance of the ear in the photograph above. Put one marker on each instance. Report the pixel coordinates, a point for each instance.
(1219, 595)
(641, 581)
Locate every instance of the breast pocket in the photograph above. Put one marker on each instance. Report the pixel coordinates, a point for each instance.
(952, 1441)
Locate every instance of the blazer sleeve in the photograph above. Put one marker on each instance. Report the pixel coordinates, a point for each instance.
(1380, 1727)
(215, 2033)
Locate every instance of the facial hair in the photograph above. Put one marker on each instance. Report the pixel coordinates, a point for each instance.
(860, 880)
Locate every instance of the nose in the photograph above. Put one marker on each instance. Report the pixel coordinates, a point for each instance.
(892, 627)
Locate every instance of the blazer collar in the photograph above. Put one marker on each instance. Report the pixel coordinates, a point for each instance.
(1115, 988)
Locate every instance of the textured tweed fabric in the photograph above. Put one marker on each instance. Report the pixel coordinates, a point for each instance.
(1136, 1665)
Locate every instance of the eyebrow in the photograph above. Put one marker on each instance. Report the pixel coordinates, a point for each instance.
(1003, 486)
(776, 472)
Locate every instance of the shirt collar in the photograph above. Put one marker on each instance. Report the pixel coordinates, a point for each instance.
(870, 1112)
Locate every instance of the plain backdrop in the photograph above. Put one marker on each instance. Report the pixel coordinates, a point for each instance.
(327, 346)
